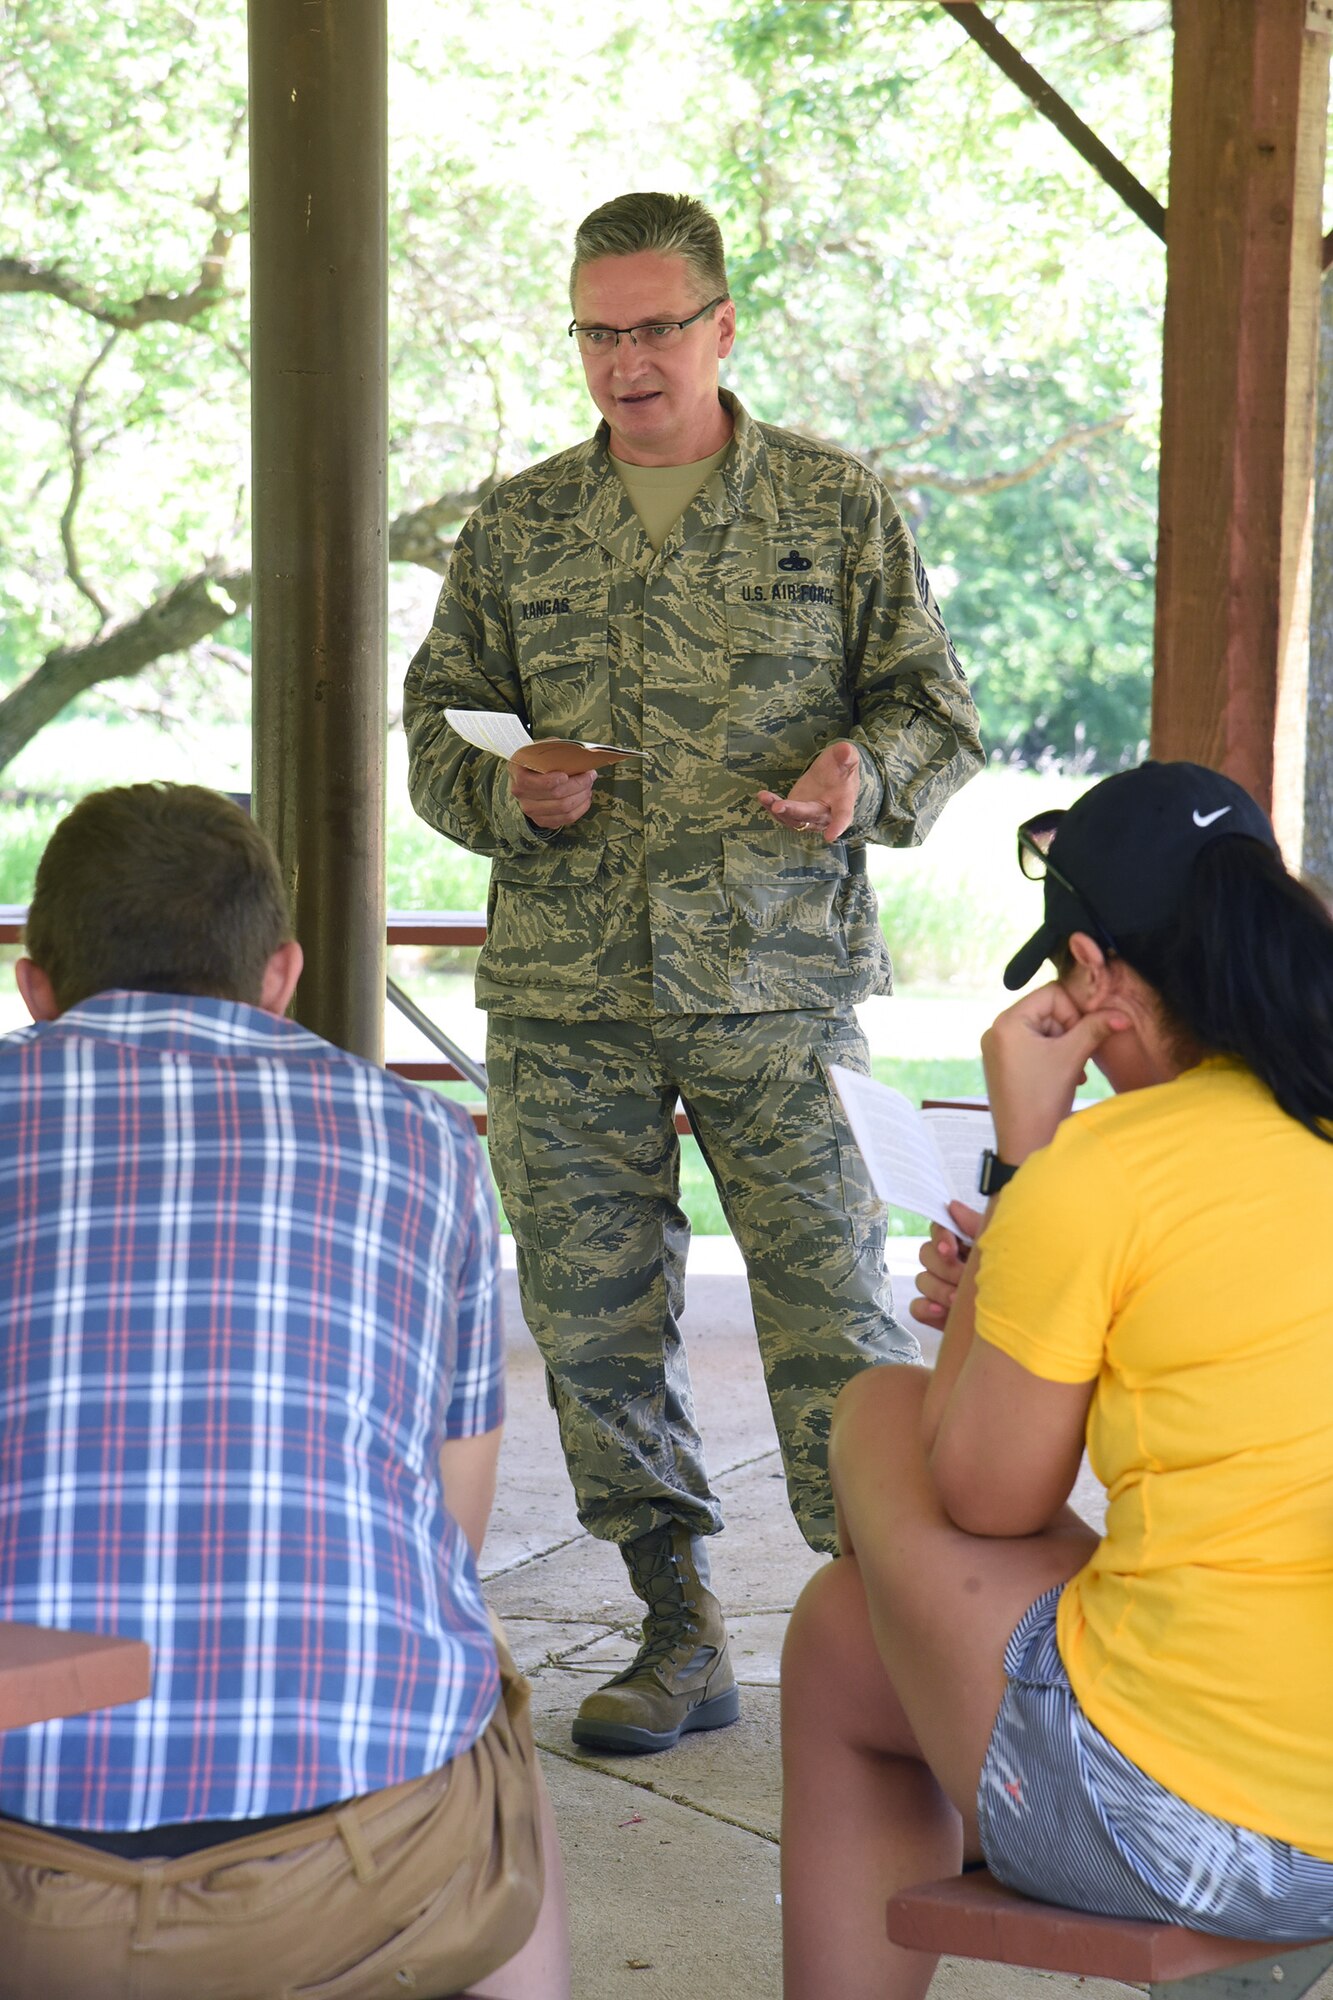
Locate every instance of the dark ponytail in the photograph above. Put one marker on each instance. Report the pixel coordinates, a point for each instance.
(1248, 972)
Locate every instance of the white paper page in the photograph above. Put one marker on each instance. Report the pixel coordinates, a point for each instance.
(897, 1146)
(962, 1137)
(490, 729)
(494, 729)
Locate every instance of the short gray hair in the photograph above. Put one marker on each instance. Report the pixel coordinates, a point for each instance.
(674, 225)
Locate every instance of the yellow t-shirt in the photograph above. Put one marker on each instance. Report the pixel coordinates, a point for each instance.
(1176, 1244)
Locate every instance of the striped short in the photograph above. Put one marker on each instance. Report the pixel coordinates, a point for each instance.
(1066, 1818)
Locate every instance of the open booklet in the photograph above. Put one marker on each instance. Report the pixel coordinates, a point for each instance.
(917, 1160)
(496, 730)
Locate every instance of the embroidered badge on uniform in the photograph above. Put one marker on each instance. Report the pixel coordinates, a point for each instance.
(794, 561)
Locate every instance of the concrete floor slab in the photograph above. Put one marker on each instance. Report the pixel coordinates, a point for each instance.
(581, 1581)
(604, 1655)
(756, 1646)
(667, 1902)
(759, 1564)
(973, 1979)
(760, 1561)
(544, 1642)
(672, 1861)
(731, 1774)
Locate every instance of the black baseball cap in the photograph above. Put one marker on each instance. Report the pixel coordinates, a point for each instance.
(1125, 851)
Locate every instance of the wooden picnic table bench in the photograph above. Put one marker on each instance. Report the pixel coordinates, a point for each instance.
(974, 1916)
(46, 1673)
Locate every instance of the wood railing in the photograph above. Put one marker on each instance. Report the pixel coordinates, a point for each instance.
(439, 928)
(428, 927)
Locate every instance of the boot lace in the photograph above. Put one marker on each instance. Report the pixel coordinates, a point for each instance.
(672, 1618)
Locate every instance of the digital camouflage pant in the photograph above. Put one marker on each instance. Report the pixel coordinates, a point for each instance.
(584, 1149)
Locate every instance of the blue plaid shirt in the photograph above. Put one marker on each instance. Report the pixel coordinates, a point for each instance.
(249, 1288)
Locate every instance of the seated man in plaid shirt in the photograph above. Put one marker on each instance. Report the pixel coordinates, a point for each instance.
(250, 1398)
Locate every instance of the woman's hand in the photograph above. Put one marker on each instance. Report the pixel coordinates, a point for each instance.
(942, 1261)
(1035, 1055)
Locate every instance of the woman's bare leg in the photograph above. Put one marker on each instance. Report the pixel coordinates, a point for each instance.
(861, 1811)
(540, 1971)
(892, 1676)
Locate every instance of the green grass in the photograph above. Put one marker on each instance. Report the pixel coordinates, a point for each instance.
(424, 871)
(958, 1077)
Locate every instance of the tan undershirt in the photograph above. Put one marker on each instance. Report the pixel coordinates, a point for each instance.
(659, 494)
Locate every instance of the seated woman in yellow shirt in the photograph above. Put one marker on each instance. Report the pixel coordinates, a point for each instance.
(1139, 1724)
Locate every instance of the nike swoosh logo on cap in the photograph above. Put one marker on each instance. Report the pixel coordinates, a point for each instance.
(1206, 819)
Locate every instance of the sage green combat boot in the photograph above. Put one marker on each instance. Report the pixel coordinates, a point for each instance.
(680, 1678)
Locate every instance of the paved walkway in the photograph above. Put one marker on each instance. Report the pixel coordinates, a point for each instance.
(672, 1860)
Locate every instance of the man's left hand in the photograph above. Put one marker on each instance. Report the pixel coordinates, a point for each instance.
(824, 799)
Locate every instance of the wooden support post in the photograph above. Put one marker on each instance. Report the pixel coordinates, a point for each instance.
(319, 210)
(1317, 853)
(1244, 254)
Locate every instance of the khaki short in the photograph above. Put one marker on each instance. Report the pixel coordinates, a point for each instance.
(421, 1890)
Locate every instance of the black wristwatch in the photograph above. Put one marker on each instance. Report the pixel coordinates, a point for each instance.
(995, 1173)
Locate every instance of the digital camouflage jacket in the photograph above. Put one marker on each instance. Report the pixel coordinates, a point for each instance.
(786, 609)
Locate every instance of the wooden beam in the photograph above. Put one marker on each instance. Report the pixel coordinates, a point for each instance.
(1062, 115)
(1244, 255)
(319, 445)
(1317, 847)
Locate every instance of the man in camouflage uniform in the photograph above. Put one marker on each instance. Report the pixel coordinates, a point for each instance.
(747, 609)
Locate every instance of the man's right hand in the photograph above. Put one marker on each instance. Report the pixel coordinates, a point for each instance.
(550, 799)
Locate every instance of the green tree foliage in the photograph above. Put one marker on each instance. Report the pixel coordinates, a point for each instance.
(925, 273)
(123, 355)
(934, 279)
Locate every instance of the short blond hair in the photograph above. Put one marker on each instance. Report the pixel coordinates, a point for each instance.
(674, 225)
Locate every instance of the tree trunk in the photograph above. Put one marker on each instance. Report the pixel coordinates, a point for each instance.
(187, 614)
(191, 611)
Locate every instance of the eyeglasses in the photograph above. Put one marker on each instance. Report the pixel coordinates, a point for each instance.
(1035, 838)
(655, 335)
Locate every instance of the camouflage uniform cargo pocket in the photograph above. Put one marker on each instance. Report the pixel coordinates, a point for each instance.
(786, 894)
(845, 1044)
(560, 642)
(546, 911)
(787, 696)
